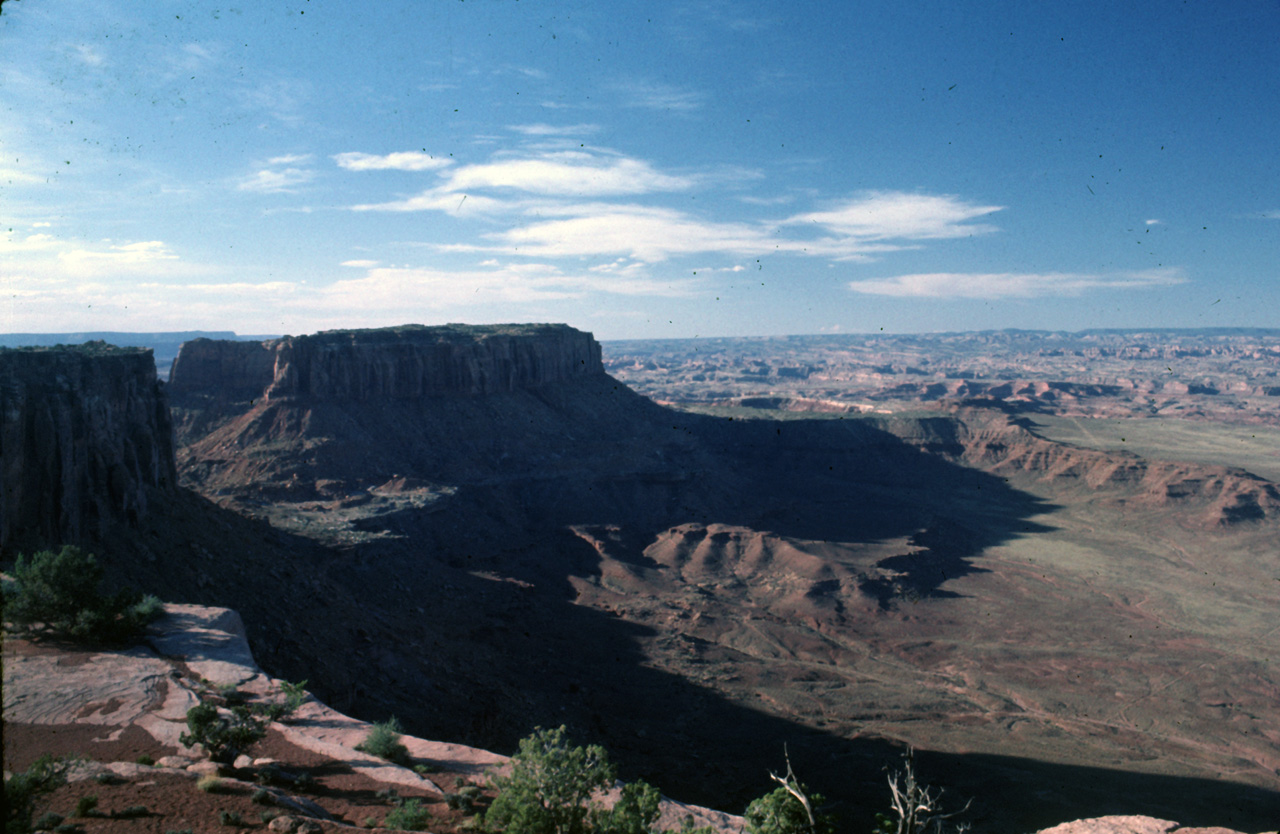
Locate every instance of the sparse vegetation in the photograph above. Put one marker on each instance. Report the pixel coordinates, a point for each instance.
(292, 696)
(550, 788)
(44, 776)
(410, 816)
(133, 812)
(213, 784)
(231, 818)
(550, 783)
(223, 736)
(56, 595)
(144, 759)
(788, 809)
(48, 821)
(87, 806)
(383, 741)
(916, 808)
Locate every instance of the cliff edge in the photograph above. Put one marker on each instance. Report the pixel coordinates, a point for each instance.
(86, 442)
(406, 362)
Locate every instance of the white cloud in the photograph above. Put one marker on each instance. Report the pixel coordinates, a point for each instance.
(290, 159)
(1154, 222)
(1273, 214)
(360, 264)
(880, 215)
(89, 56)
(1013, 284)
(269, 181)
(554, 130)
(656, 234)
(43, 258)
(438, 199)
(398, 161)
(567, 173)
(653, 96)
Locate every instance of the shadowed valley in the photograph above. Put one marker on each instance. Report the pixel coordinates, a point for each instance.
(479, 531)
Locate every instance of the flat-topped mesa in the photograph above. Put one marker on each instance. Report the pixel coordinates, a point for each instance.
(86, 442)
(404, 362)
(414, 361)
(228, 367)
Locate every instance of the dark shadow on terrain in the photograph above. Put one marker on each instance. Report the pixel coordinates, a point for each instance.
(467, 631)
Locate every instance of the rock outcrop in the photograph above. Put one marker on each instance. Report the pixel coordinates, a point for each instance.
(86, 441)
(399, 363)
(227, 367)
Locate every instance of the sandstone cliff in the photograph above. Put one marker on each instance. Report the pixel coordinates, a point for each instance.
(400, 363)
(226, 367)
(86, 441)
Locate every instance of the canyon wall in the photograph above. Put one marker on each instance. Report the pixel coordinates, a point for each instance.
(226, 367)
(86, 441)
(392, 363)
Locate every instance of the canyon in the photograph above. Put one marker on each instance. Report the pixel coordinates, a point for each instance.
(483, 530)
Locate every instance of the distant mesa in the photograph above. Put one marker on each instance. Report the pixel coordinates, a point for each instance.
(403, 362)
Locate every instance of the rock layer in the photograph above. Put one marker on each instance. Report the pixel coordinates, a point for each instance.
(86, 441)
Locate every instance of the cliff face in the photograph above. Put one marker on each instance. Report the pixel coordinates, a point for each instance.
(393, 363)
(227, 367)
(85, 442)
(411, 362)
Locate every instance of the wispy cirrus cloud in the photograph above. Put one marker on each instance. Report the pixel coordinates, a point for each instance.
(276, 180)
(398, 161)
(880, 215)
(542, 129)
(953, 285)
(569, 174)
(654, 96)
(654, 234)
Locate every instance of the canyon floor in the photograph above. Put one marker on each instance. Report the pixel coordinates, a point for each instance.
(1026, 580)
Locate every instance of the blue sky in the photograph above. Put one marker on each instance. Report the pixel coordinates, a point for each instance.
(639, 169)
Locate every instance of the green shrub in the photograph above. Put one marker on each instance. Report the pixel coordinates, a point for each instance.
(634, 813)
(144, 759)
(56, 594)
(231, 818)
(295, 695)
(383, 741)
(549, 786)
(410, 816)
(212, 784)
(48, 821)
(268, 814)
(262, 796)
(223, 736)
(44, 776)
(779, 812)
(87, 806)
(133, 812)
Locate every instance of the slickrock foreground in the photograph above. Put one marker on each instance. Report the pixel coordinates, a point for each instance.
(99, 698)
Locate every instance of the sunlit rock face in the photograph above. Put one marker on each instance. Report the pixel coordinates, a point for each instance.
(86, 440)
(393, 363)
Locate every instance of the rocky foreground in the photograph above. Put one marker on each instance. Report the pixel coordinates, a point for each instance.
(118, 709)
